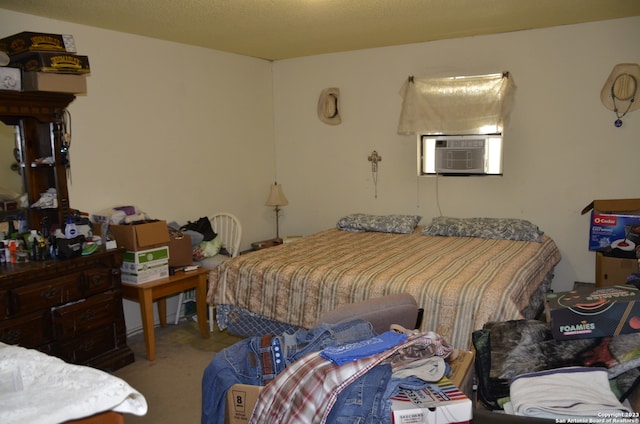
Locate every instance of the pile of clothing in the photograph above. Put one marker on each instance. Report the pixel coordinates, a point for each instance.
(205, 242)
(329, 373)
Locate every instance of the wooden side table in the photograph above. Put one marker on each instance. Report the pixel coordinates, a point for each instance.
(146, 293)
(259, 245)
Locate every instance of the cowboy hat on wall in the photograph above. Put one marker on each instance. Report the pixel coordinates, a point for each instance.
(620, 91)
(329, 106)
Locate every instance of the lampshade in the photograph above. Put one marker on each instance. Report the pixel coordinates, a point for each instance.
(276, 197)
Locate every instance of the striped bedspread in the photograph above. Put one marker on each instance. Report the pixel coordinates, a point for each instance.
(460, 282)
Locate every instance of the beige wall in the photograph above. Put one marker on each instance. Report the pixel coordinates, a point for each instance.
(182, 132)
(561, 147)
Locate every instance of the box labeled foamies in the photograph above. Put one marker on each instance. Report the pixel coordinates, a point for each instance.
(615, 223)
(51, 62)
(585, 313)
(145, 265)
(10, 78)
(611, 271)
(37, 41)
(49, 81)
(241, 399)
(141, 235)
(440, 402)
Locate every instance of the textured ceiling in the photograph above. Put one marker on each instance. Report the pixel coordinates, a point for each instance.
(281, 29)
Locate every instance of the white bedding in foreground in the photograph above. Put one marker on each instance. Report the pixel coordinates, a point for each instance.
(38, 388)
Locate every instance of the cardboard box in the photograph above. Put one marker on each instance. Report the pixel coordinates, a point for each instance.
(614, 271)
(145, 265)
(10, 78)
(141, 235)
(51, 62)
(585, 313)
(614, 223)
(48, 81)
(144, 276)
(241, 399)
(37, 41)
(180, 251)
(462, 372)
(440, 402)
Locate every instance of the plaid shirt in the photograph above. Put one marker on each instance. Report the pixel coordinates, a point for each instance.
(306, 391)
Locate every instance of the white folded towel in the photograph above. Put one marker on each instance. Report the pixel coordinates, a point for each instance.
(565, 392)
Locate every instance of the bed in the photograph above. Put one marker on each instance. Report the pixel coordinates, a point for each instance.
(463, 272)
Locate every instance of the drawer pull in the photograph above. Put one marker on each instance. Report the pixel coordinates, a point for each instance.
(50, 293)
(88, 315)
(86, 346)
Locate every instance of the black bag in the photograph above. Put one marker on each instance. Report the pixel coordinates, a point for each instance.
(69, 248)
(202, 226)
(490, 390)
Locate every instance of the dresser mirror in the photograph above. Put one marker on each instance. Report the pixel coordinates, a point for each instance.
(38, 116)
(12, 184)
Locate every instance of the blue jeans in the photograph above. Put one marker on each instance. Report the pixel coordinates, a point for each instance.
(368, 399)
(243, 362)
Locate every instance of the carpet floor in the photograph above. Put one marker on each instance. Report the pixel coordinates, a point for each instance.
(171, 383)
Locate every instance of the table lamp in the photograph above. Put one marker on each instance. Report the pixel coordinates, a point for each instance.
(277, 199)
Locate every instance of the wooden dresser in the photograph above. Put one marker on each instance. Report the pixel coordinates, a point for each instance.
(71, 309)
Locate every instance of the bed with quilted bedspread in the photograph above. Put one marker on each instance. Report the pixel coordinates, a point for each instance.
(462, 272)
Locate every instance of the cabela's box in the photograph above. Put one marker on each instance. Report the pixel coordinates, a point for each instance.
(37, 41)
(587, 313)
(51, 62)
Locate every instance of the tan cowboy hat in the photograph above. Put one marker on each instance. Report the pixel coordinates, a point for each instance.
(329, 106)
(622, 88)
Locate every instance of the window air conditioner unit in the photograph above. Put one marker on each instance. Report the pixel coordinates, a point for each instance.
(462, 154)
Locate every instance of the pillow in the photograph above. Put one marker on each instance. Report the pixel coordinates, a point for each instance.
(207, 249)
(359, 222)
(487, 228)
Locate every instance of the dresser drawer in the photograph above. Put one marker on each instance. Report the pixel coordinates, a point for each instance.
(29, 331)
(87, 346)
(99, 280)
(46, 294)
(83, 316)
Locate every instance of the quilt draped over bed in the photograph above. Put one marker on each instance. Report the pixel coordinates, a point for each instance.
(461, 282)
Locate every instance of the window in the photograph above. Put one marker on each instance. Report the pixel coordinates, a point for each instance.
(471, 109)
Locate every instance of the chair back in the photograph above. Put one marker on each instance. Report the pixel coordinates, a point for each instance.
(228, 228)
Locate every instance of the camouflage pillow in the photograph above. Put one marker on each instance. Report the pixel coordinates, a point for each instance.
(359, 222)
(487, 228)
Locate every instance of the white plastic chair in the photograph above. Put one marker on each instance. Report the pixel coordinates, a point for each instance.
(228, 228)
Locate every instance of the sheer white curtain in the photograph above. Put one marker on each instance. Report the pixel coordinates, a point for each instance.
(456, 105)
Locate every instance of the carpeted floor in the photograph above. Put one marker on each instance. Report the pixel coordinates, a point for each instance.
(171, 383)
